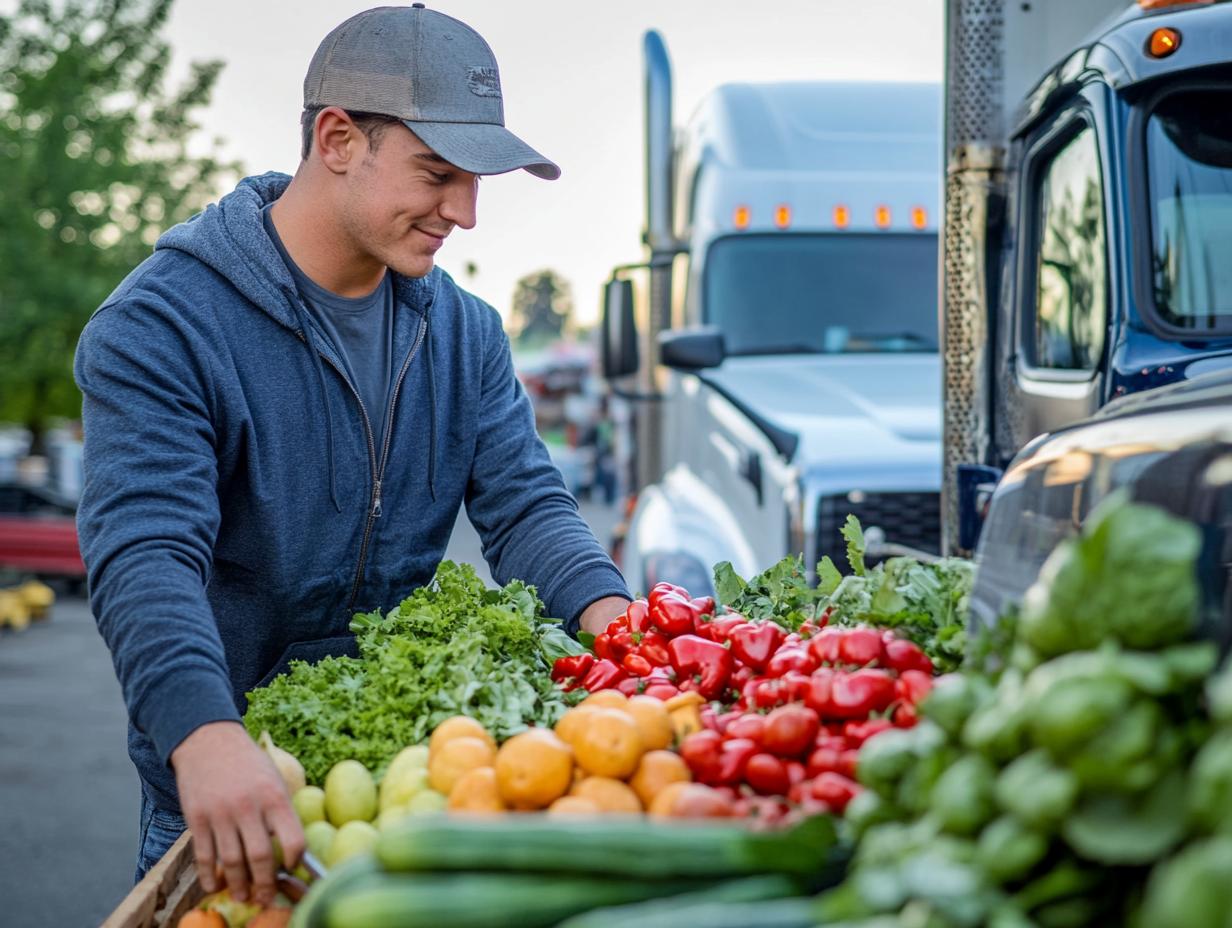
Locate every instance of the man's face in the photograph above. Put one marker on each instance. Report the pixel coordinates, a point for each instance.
(404, 199)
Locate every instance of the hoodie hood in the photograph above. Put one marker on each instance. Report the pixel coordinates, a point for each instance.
(229, 237)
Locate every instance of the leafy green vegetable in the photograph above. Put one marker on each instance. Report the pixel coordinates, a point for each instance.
(853, 533)
(781, 594)
(452, 647)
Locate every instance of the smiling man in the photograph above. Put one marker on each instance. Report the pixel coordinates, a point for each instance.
(286, 406)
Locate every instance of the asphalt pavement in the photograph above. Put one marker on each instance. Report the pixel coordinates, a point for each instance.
(68, 793)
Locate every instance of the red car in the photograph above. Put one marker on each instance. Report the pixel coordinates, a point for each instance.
(38, 533)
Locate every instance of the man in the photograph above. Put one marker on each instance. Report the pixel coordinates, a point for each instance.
(285, 407)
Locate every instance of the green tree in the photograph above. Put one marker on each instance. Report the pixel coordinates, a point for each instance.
(95, 164)
(542, 304)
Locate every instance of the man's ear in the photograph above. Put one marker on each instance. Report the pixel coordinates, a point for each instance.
(338, 141)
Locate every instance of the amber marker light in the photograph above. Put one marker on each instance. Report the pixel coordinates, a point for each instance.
(842, 217)
(1163, 42)
(782, 216)
(741, 217)
(919, 217)
(882, 217)
(1164, 4)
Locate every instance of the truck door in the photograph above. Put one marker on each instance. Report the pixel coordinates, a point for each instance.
(1063, 276)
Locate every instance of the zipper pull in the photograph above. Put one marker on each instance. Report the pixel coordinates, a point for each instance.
(376, 500)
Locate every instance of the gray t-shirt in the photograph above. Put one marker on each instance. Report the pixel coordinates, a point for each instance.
(361, 329)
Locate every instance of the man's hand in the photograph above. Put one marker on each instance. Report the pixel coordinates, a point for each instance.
(233, 799)
(599, 613)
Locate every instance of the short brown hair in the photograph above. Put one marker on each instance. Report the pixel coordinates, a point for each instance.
(372, 125)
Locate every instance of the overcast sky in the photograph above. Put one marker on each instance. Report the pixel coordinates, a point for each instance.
(571, 74)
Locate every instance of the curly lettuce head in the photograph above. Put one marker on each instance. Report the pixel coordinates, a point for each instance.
(1129, 577)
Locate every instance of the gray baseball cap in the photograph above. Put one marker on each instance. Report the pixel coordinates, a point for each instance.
(433, 72)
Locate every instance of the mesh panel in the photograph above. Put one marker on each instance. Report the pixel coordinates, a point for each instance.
(975, 62)
(912, 519)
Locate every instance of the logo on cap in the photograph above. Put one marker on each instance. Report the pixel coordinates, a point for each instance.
(483, 82)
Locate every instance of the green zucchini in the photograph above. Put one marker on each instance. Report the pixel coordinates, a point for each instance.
(309, 912)
(629, 847)
(483, 900)
(667, 911)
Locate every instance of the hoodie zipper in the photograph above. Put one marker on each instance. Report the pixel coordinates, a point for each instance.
(374, 511)
(377, 470)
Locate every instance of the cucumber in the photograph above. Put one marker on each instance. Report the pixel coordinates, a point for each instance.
(667, 912)
(482, 900)
(664, 913)
(309, 912)
(630, 847)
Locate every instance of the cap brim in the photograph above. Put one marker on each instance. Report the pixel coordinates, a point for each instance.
(482, 148)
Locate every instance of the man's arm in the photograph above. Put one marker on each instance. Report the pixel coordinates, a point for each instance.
(517, 500)
(147, 521)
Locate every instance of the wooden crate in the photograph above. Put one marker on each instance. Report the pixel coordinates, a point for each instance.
(168, 891)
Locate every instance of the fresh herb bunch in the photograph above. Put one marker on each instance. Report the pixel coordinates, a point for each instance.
(452, 647)
(926, 602)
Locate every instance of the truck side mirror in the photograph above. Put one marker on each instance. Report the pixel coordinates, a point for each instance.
(619, 336)
(692, 350)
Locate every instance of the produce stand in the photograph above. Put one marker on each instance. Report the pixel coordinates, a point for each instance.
(168, 891)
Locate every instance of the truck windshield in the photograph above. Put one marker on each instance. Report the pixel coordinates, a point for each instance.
(826, 293)
(1189, 163)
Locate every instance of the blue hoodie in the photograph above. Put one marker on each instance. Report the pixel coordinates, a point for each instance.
(232, 517)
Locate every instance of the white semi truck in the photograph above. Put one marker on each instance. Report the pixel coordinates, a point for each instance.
(784, 367)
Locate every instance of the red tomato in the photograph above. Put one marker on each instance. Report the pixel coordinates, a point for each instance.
(824, 760)
(861, 646)
(699, 801)
(663, 690)
(795, 771)
(790, 730)
(700, 751)
(914, 685)
(848, 762)
(766, 774)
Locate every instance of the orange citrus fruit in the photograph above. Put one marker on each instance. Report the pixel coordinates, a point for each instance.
(455, 758)
(574, 805)
(571, 722)
(607, 699)
(608, 794)
(476, 792)
(460, 726)
(657, 770)
(533, 769)
(653, 721)
(609, 744)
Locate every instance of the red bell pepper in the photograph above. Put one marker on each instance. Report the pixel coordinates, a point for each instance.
(766, 694)
(798, 685)
(638, 615)
(602, 646)
(754, 643)
(704, 605)
(859, 732)
(718, 628)
(742, 675)
(791, 658)
(905, 716)
(857, 695)
(572, 670)
(903, 655)
(622, 644)
(708, 660)
(817, 697)
(796, 771)
(824, 760)
(630, 686)
(671, 614)
(835, 790)
(749, 725)
(790, 731)
(825, 644)
(733, 759)
(861, 646)
(653, 647)
(637, 665)
(603, 674)
(914, 685)
(848, 762)
(662, 690)
(618, 624)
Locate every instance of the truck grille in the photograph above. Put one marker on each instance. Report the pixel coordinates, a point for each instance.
(912, 519)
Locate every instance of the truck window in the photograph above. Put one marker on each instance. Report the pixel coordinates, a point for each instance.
(1189, 169)
(1067, 332)
(823, 292)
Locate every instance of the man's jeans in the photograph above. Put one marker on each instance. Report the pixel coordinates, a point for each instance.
(159, 830)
